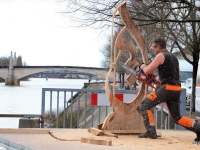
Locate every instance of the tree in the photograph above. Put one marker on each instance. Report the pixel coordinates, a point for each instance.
(24, 64)
(4, 61)
(19, 61)
(177, 21)
(97, 14)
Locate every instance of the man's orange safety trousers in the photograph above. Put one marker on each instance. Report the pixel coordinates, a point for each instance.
(171, 95)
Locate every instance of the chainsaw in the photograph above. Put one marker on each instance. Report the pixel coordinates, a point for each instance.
(148, 79)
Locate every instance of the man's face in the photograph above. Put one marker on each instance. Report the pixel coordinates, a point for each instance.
(155, 48)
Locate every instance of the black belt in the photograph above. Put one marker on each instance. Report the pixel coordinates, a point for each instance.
(179, 84)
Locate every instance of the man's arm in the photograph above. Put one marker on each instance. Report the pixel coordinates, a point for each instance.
(158, 60)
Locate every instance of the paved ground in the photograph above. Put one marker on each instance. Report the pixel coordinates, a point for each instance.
(71, 139)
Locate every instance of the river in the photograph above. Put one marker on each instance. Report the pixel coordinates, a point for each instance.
(26, 98)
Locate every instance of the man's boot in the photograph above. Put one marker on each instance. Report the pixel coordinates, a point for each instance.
(196, 129)
(151, 133)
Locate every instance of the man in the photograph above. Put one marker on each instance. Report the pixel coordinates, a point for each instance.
(169, 91)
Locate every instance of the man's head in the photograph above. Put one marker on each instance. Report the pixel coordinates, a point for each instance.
(158, 45)
(159, 41)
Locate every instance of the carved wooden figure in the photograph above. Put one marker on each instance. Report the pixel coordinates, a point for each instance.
(126, 117)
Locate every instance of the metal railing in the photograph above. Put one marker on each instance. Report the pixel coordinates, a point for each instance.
(90, 116)
(79, 99)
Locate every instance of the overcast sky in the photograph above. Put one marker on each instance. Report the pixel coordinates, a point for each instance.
(36, 31)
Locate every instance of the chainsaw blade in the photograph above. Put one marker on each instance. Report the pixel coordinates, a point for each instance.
(130, 70)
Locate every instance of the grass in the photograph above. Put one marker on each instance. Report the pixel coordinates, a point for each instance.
(53, 118)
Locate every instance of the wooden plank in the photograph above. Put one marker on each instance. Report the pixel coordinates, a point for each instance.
(110, 134)
(95, 131)
(25, 131)
(99, 132)
(96, 141)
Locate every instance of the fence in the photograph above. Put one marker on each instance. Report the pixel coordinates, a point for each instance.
(77, 112)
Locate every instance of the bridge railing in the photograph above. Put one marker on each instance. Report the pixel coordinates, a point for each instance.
(64, 103)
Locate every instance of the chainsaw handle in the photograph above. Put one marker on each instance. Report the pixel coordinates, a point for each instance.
(139, 72)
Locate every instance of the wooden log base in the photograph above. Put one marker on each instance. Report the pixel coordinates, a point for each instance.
(125, 131)
(121, 121)
(130, 132)
(96, 141)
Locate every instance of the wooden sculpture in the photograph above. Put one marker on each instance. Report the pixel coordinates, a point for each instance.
(126, 117)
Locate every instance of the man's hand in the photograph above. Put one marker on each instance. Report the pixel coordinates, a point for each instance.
(143, 66)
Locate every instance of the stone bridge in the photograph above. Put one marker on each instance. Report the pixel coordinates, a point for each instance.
(13, 74)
